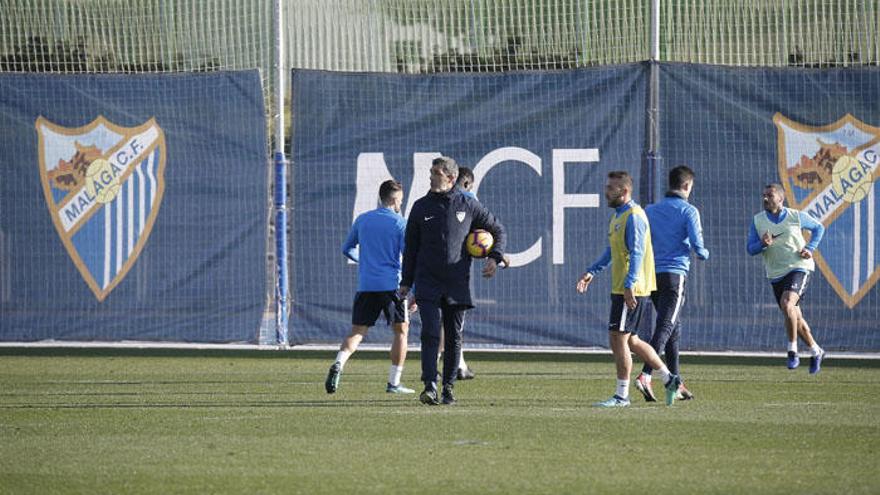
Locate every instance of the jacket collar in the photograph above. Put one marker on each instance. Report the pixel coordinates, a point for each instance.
(442, 195)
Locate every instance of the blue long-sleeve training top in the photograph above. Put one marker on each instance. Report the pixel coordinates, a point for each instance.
(376, 243)
(634, 237)
(675, 230)
(817, 230)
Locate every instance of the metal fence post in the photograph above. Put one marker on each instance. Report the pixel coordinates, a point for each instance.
(281, 288)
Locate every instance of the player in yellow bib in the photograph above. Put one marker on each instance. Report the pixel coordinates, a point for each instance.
(777, 235)
(631, 257)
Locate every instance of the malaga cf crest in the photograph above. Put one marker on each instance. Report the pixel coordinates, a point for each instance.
(830, 172)
(103, 185)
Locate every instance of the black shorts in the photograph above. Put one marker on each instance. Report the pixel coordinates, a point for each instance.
(367, 306)
(623, 319)
(795, 282)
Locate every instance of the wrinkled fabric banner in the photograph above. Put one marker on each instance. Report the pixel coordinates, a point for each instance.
(540, 144)
(132, 207)
(816, 132)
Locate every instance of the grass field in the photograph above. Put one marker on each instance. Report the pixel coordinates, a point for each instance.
(87, 421)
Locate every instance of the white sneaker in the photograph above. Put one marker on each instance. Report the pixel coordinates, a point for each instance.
(398, 389)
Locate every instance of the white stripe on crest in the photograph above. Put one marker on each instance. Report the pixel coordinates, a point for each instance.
(141, 188)
(130, 227)
(857, 247)
(152, 178)
(120, 223)
(108, 236)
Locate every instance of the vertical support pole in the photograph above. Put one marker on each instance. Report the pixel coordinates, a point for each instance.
(652, 158)
(281, 284)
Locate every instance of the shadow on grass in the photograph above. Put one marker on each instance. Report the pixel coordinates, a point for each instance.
(411, 404)
(323, 355)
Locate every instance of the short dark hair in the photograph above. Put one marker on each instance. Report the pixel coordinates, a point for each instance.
(448, 164)
(388, 188)
(621, 175)
(465, 178)
(679, 175)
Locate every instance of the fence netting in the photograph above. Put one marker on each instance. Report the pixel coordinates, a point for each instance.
(527, 39)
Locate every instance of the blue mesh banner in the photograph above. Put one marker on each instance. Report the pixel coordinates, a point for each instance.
(540, 144)
(814, 131)
(132, 207)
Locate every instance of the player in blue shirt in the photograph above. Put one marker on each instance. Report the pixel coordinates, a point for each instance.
(675, 231)
(379, 234)
(788, 262)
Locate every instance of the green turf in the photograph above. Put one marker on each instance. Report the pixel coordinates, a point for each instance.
(203, 422)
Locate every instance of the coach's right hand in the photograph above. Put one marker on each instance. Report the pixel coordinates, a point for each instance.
(490, 268)
(584, 282)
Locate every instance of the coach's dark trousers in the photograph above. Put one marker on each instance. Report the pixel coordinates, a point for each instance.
(668, 300)
(453, 317)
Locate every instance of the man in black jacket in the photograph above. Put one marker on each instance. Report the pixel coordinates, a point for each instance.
(436, 260)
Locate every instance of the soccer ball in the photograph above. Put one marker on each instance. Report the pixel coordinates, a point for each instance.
(478, 243)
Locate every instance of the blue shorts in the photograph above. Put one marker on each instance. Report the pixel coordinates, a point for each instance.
(627, 320)
(368, 305)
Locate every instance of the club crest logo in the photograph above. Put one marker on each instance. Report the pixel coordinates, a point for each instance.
(103, 185)
(830, 172)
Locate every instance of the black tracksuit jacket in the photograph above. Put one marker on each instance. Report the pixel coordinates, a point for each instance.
(434, 257)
